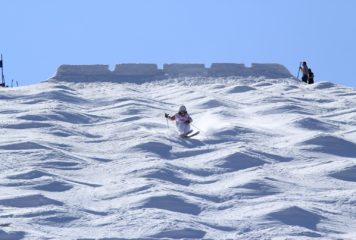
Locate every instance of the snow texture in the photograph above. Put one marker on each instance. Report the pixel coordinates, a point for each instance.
(275, 159)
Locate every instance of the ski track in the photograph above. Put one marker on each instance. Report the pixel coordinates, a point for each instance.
(275, 159)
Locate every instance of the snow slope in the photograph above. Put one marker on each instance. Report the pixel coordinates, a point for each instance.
(276, 159)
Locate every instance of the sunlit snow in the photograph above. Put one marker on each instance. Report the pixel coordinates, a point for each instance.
(275, 159)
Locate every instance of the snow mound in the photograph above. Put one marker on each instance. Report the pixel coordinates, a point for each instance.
(275, 159)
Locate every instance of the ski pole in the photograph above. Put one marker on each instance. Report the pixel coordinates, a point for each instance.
(196, 127)
(299, 70)
(166, 116)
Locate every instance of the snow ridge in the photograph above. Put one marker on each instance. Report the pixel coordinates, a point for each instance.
(275, 160)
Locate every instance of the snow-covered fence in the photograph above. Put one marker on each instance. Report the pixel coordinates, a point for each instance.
(227, 69)
(184, 69)
(269, 70)
(141, 72)
(82, 72)
(136, 69)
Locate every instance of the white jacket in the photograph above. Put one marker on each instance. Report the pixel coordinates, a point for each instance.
(182, 122)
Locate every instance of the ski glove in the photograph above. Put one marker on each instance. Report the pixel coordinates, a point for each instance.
(166, 115)
(187, 122)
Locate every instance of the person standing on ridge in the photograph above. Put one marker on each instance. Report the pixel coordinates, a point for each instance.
(310, 76)
(305, 70)
(182, 119)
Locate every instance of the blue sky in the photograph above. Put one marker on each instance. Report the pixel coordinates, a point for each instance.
(39, 35)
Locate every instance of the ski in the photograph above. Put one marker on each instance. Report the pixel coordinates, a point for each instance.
(183, 135)
(192, 135)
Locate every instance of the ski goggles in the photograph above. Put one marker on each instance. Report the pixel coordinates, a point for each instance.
(182, 112)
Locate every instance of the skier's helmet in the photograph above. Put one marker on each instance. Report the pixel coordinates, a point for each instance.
(182, 109)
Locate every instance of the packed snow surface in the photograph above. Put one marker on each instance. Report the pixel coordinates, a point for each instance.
(275, 159)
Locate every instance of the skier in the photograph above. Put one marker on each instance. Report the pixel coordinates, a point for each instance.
(305, 72)
(183, 121)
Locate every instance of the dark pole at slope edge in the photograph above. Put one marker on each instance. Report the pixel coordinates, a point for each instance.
(300, 64)
(2, 72)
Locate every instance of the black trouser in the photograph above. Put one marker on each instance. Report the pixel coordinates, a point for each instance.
(305, 78)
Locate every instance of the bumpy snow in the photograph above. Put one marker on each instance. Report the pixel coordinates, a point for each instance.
(276, 159)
